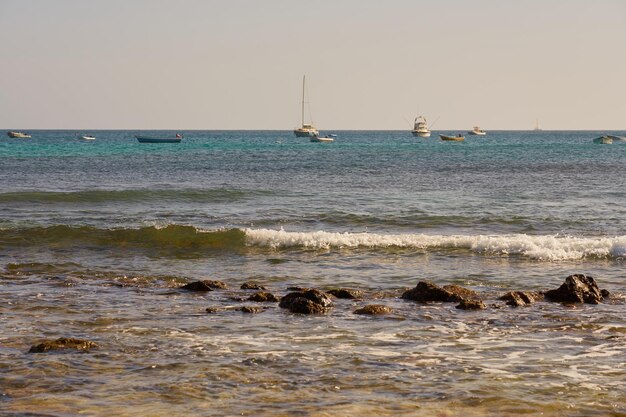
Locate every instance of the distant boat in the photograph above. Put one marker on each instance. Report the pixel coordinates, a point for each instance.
(20, 135)
(605, 140)
(86, 137)
(327, 138)
(306, 130)
(159, 139)
(456, 138)
(477, 131)
(617, 138)
(537, 125)
(420, 127)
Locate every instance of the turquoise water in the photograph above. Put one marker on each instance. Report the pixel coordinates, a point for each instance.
(96, 236)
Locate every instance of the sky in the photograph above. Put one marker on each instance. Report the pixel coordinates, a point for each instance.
(370, 64)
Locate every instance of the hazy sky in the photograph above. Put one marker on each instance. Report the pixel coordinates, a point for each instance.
(370, 64)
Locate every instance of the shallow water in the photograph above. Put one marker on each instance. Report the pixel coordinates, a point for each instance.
(95, 239)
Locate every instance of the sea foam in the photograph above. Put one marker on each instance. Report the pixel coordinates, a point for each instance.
(546, 247)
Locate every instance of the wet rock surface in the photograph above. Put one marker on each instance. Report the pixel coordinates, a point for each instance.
(196, 286)
(374, 310)
(252, 285)
(471, 305)
(63, 343)
(345, 293)
(263, 297)
(521, 298)
(461, 293)
(306, 302)
(577, 288)
(426, 291)
(251, 309)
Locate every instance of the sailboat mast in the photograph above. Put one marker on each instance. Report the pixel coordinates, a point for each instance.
(302, 117)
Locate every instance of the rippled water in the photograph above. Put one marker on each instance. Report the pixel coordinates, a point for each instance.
(96, 238)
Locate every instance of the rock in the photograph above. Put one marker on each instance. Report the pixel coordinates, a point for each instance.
(605, 293)
(374, 310)
(462, 293)
(577, 288)
(520, 298)
(252, 285)
(196, 286)
(471, 305)
(306, 302)
(263, 297)
(63, 343)
(294, 288)
(205, 285)
(213, 310)
(427, 291)
(345, 293)
(251, 309)
(216, 285)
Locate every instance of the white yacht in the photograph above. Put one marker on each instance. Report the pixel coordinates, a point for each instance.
(420, 127)
(477, 131)
(306, 130)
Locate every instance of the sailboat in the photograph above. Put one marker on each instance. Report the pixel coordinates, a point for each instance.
(537, 125)
(305, 130)
(420, 127)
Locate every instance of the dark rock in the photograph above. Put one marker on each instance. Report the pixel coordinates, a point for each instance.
(251, 309)
(374, 309)
(306, 302)
(263, 297)
(471, 305)
(605, 293)
(520, 298)
(462, 293)
(577, 288)
(213, 310)
(63, 343)
(345, 293)
(427, 291)
(297, 288)
(216, 285)
(196, 286)
(252, 285)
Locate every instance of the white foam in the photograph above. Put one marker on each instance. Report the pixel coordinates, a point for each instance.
(546, 247)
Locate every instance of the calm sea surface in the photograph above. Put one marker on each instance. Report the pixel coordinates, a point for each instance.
(96, 237)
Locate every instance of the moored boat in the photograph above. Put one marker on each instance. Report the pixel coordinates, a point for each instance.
(477, 131)
(456, 138)
(86, 137)
(160, 139)
(306, 130)
(420, 127)
(20, 135)
(327, 138)
(605, 140)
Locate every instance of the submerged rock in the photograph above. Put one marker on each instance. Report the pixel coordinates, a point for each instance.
(374, 310)
(426, 291)
(471, 305)
(205, 285)
(520, 298)
(577, 288)
(252, 285)
(345, 293)
(213, 310)
(63, 343)
(306, 302)
(251, 309)
(263, 297)
(462, 293)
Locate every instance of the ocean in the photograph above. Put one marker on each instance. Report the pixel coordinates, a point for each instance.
(96, 237)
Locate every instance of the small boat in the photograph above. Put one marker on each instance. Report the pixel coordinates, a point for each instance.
(456, 138)
(20, 135)
(86, 137)
(477, 131)
(605, 140)
(306, 130)
(420, 127)
(159, 139)
(327, 138)
(537, 127)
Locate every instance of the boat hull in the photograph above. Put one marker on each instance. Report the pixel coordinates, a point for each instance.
(452, 138)
(477, 133)
(604, 140)
(18, 135)
(87, 138)
(419, 134)
(318, 139)
(146, 139)
(301, 133)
